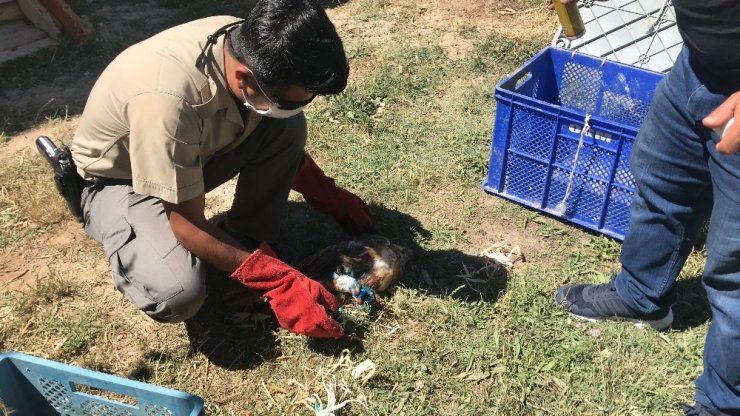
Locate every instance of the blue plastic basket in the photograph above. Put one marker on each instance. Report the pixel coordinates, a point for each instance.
(38, 387)
(540, 114)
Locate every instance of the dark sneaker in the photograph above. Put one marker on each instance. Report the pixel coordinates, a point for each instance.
(700, 410)
(597, 302)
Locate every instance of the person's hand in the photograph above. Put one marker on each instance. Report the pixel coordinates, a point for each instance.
(301, 305)
(321, 193)
(730, 141)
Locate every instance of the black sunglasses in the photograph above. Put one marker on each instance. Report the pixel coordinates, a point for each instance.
(268, 92)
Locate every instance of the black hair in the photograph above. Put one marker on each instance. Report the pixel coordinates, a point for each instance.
(292, 42)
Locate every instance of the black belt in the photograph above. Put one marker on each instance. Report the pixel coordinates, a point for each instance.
(99, 182)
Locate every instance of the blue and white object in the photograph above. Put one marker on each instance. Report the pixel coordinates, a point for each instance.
(39, 387)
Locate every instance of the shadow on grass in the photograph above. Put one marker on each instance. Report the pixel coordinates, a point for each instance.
(692, 307)
(143, 369)
(234, 329)
(441, 273)
(353, 339)
(433, 272)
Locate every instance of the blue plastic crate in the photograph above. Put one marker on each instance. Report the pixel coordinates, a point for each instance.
(38, 387)
(540, 113)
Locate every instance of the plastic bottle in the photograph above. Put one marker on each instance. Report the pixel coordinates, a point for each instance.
(570, 19)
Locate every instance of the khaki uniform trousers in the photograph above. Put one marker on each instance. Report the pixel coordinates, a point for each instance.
(148, 264)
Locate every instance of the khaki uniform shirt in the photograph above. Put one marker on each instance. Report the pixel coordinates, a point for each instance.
(154, 118)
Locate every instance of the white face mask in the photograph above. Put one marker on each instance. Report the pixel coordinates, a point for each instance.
(274, 111)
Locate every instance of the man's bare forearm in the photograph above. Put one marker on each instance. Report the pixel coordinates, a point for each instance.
(215, 247)
(205, 240)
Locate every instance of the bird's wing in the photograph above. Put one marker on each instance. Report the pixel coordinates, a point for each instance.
(325, 261)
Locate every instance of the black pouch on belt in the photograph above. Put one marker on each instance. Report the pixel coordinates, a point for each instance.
(67, 180)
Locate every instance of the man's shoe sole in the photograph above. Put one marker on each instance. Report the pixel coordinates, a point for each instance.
(657, 324)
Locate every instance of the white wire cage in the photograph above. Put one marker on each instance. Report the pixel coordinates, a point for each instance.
(641, 33)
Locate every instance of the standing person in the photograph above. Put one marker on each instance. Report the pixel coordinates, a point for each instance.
(180, 113)
(686, 169)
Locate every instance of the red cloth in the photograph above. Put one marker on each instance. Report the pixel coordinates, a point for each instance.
(320, 191)
(301, 304)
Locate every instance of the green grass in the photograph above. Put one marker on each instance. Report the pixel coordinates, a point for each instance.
(411, 135)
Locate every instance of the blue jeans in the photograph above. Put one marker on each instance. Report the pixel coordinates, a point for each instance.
(681, 179)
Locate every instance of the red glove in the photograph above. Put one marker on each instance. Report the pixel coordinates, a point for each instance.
(300, 304)
(320, 191)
